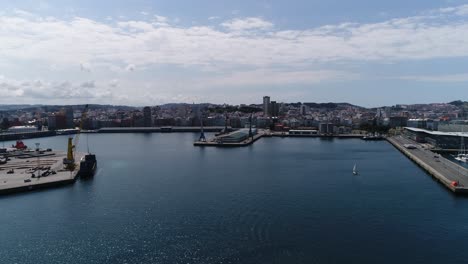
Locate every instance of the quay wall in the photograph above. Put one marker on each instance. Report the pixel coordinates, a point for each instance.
(319, 136)
(157, 129)
(431, 171)
(25, 188)
(16, 136)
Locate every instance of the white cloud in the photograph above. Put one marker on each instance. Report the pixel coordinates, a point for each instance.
(161, 19)
(130, 67)
(136, 26)
(20, 12)
(462, 77)
(63, 42)
(273, 78)
(114, 83)
(65, 91)
(161, 91)
(462, 11)
(459, 10)
(226, 52)
(247, 24)
(84, 66)
(88, 84)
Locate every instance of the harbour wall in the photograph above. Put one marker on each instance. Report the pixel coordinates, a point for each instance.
(17, 136)
(430, 170)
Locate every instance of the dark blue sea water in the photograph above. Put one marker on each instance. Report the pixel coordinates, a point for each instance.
(158, 199)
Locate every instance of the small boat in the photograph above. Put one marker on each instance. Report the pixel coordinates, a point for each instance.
(375, 136)
(462, 158)
(462, 155)
(355, 172)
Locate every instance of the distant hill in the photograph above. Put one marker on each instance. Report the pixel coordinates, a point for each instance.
(10, 107)
(174, 105)
(331, 105)
(459, 103)
(53, 108)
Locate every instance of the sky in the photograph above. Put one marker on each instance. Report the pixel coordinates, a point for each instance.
(141, 52)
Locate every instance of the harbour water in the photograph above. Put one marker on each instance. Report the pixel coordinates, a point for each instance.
(157, 199)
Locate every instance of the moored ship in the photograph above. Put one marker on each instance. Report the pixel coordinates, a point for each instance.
(88, 165)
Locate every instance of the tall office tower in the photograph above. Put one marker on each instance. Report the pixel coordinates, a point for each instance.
(147, 116)
(266, 105)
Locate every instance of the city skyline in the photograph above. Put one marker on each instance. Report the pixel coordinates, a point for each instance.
(56, 52)
(259, 104)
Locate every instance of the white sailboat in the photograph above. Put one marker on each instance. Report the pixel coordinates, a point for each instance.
(462, 158)
(462, 155)
(355, 172)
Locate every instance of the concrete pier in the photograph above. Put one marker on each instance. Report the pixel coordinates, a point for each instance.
(26, 171)
(167, 129)
(343, 136)
(440, 168)
(214, 143)
(16, 136)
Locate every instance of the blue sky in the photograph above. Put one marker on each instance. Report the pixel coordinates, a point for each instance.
(365, 52)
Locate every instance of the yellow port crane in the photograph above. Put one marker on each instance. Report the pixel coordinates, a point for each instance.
(69, 161)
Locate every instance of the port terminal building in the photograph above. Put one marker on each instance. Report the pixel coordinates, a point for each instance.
(438, 139)
(236, 136)
(22, 129)
(454, 126)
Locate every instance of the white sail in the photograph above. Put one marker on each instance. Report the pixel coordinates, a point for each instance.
(462, 155)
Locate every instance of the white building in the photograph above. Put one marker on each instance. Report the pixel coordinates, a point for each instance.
(22, 129)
